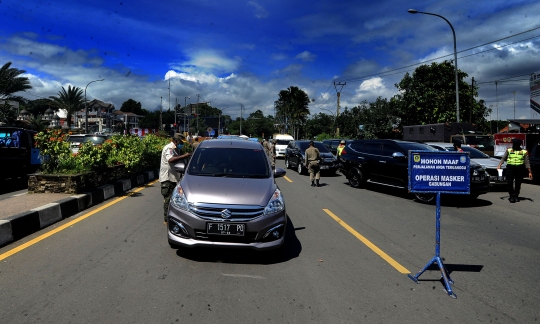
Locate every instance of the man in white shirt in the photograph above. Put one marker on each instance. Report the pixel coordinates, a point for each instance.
(168, 177)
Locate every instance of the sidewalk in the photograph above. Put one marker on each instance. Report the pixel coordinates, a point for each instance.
(27, 213)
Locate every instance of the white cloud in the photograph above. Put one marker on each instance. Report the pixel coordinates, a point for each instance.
(306, 56)
(260, 11)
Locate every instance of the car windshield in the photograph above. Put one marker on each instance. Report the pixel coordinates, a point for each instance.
(320, 146)
(480, 140)
(95, 139)
(416, 146)
(282, 142)
(226, 162)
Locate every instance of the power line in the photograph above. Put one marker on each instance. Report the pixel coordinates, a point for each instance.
(438, 58)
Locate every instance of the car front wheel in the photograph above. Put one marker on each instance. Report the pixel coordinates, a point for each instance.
(425, 198)
(356, 178)
(300, 168)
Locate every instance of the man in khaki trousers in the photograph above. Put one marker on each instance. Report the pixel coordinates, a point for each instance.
(312, 162)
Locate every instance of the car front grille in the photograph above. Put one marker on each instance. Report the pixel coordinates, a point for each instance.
(219, 212)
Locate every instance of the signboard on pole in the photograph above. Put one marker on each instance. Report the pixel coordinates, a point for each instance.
(439, 172)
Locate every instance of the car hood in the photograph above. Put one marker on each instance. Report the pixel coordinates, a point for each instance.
(220, 190)
(490, 163)
(327, 155)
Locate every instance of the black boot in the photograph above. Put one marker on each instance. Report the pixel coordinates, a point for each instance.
(516, 197)
(312, 183)
(318, 184)
(512, 199)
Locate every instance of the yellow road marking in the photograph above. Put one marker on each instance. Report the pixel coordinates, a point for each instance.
(287, 178)
(370, 245)
(68, 224)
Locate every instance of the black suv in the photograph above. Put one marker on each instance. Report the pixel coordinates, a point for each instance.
(534, 159)
(332, 145)
(385, 162)
(295, 155)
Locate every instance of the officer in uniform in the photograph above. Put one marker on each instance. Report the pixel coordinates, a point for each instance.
(517, 160)
(312, 162)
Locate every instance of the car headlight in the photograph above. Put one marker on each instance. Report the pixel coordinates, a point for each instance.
(178, 199)
(275, 204)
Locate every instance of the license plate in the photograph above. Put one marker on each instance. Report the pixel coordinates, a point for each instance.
(324, 166)
(225, 229)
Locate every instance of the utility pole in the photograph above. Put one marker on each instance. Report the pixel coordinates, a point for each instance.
(336, 85)
(514, 104)
(175, 105)
(472, 100)
(497, 99)
(241, 109)
(161, 114)
(197, 115)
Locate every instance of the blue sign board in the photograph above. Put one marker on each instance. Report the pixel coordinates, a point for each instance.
(439, 172)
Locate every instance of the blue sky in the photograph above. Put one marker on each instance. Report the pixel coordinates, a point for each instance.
(230, 53)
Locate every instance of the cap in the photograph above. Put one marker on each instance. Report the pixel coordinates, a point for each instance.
(342, 142)
(179, 136)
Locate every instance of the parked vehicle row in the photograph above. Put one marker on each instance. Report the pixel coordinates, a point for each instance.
(384, 162)
(487, 162)
(76, 140)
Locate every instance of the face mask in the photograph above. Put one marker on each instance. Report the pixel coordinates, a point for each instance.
(179, 146)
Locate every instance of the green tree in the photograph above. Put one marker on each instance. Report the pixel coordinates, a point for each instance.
(11, 81)
(132, 106)
(292, 107)
(8, 116)
(320, 124)
(429, 96)
(71, 100)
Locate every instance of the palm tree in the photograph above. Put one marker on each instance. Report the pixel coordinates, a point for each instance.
(293, 107)
(11, 81)
(71, 100)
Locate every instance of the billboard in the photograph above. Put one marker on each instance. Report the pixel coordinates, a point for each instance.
(503, 141)
(535, 95)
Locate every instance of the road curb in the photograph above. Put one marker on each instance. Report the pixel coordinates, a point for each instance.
(21, 225)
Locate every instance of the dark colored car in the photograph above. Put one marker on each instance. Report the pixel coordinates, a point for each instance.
(385, 162)
(295, 155)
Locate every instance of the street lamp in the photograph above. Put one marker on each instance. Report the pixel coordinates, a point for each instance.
(86, 107)
(413, 11)
(185, 106)
(219, 121)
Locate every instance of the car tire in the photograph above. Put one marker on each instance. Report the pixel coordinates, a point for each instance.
(300, 168)
(356, 178)
(425, 198)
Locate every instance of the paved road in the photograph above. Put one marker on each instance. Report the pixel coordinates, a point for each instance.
(348, 252)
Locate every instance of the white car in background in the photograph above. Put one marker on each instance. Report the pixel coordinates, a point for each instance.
(487, 162)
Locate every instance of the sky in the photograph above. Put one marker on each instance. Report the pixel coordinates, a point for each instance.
(235, 54)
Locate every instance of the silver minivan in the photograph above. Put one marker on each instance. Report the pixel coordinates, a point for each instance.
(227, 198)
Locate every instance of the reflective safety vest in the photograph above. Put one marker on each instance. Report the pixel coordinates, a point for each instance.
(516, 157)
(339, 149)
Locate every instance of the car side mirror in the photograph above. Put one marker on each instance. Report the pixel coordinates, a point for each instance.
(398, 155)
(279, 172)
(179, 167)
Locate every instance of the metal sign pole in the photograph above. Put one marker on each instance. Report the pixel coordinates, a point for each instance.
(437, 258)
